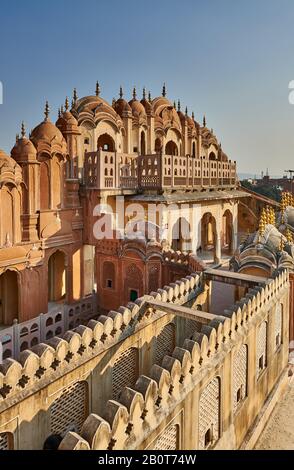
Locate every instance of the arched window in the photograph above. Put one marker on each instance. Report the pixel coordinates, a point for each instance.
(193, 149)
(45, 185)
(108, 275)
(8, 297)
(143, 143)
(56, 277)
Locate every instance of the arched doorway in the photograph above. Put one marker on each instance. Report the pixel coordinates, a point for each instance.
(106, 143)
(143, 143)
(8, 297)
(208, 236)
(227, 232)
(171, 148)
(57, 277)
(181, 235)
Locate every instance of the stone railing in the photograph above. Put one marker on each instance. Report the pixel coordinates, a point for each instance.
(60, 355)
(139, 411)
(59, 319)
(187, 259)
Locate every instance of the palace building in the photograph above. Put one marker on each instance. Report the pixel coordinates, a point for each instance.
(133, 340)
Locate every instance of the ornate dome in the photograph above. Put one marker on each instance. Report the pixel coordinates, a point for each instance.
(66, 121)
(24, 150)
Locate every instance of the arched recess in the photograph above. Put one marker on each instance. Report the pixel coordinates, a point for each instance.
(171, 148)
(9, 297)
(181, 235)
(57, 277)
(158, 145)
(208, 233)
(212, 156)
(106, 142)
(227, 232)
(193, 149)
(45, 186)
(133, 282)
(143, 143)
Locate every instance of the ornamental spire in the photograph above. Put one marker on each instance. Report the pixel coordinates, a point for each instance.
(134, 93)
(97, 91)
(204, 121)
(121, 92)
(66, 104)
(179, 105)
(164, 90)
(186, 111)
(149, 97)
(23, 130)
(144, 93)
(193, 117)
(47, 111)
(74, 96)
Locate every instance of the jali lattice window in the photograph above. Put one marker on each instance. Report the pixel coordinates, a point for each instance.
(165, 343)
(169, 439)
(125, 371)
(209, 414)
(69, 411)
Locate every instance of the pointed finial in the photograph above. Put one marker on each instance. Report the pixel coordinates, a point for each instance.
(144, 93)
(59, 113)
(23, 130)
(72, 103)
(17, 138)
(186, 111)
(47, 111)
(66, 104)
(175, 106)
(204, 121)
(61, 109)
(164, 90)
(193, 117)
(97, 89)
(149, 97)
(74, 96)
(179, 105)
(134, 93)
(121, 92)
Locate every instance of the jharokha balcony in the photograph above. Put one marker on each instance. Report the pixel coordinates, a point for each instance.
(106, 170)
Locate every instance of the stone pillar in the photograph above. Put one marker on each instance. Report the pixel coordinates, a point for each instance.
(218, 251)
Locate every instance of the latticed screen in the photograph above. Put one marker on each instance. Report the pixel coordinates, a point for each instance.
(261, 348)
(239, 376)
(125, 371)
(169, 439)
(278, 326)
(190, 327)
(209, 414)
(69, 411)
(165, 343)
(4, 441)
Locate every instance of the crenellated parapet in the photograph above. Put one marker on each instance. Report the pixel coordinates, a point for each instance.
(127, 422)
(47, 361)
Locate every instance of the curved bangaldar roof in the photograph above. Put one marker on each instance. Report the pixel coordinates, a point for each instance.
(10, 171)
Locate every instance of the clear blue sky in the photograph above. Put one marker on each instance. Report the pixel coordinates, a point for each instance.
(232, 60)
